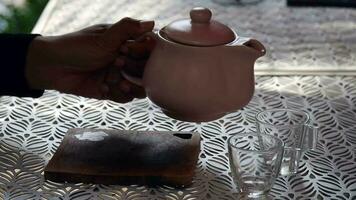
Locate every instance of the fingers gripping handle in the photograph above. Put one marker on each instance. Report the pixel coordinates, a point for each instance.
(134, 79)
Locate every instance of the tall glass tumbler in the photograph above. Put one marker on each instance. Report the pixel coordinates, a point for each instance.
(255, 161)
(294, 129)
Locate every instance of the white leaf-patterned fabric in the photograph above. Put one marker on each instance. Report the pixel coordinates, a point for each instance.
(31, 130)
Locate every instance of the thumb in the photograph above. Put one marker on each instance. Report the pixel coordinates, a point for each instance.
(124, 30)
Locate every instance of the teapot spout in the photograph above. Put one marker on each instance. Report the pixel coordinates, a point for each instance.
(256, 47)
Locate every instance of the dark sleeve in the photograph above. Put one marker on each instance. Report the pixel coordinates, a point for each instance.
(13, 53)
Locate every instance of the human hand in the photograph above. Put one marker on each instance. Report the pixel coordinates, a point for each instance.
(88, 62)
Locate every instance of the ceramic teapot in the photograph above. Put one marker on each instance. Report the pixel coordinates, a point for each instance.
(200, 69)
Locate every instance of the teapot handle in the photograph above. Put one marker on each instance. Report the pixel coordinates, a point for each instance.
(133, 79)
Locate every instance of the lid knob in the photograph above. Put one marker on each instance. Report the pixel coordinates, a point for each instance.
(200, 15)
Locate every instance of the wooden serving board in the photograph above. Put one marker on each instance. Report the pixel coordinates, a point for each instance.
(125, 157)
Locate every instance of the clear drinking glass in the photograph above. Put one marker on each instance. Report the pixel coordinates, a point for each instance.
(294, 129)
(255, 161)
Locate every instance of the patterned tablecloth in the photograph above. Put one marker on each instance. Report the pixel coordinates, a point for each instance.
(31, 129)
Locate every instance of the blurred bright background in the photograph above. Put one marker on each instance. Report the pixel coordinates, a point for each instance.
(20, 16)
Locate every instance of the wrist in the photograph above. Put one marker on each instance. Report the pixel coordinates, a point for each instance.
(37, 60)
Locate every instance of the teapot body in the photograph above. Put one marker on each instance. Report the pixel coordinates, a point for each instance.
(198, 84)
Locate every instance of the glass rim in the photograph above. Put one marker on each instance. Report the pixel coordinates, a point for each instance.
(305, 123)
(273, 149)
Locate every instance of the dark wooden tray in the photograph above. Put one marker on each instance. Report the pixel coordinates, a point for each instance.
(125, 157)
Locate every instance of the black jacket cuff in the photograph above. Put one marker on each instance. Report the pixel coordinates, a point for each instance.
(13, 54)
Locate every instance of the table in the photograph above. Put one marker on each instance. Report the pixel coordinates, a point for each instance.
(31, 129)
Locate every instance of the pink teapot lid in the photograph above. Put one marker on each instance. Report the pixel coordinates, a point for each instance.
(199, 30)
